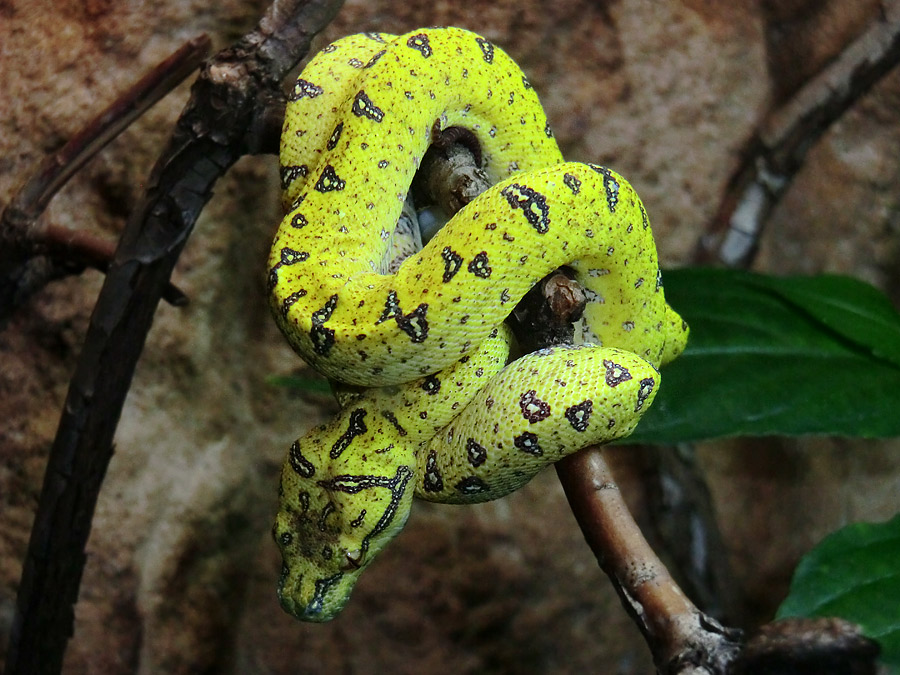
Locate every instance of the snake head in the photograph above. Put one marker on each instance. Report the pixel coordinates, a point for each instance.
(329, 530)
(318, 570)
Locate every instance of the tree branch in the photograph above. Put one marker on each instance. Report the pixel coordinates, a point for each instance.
(682, 639)
(229, 98)
(776, 151)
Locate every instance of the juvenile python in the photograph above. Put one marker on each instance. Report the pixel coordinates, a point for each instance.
(441, 413)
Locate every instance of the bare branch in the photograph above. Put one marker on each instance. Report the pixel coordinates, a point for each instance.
(681, 637)
(24, 238)
(772, 157)
(233, 92)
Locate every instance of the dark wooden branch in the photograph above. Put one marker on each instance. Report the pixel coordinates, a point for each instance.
(231, 95)
(772, 157)
(33, 253)
(800, 646)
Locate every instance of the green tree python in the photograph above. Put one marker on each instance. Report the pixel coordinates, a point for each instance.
(436, 410)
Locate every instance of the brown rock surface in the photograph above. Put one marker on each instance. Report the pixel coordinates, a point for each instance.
(181, 567)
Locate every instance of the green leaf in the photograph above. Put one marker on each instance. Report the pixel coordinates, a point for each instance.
(850, 307)
(854, 574)
(789, 356)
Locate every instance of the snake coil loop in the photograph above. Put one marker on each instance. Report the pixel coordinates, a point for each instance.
(442, 414)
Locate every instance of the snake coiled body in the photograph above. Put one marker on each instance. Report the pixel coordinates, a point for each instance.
(443, 414)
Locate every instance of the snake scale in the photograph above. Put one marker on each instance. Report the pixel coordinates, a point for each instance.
(437, 411)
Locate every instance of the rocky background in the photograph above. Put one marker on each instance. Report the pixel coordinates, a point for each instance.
(181, 567)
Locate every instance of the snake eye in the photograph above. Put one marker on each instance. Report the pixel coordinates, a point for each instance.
(353, 560)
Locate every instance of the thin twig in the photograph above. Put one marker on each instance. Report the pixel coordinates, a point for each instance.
(22, 234)
(232, 93)
(775, 153)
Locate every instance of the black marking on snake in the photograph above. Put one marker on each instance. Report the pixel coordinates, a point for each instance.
(644, 217)
(413, 324)
(286, 538)
(431, 384)
(290, 257)
(452, 262)
(363, 107)
(304, 89)
(298, 220)
(356, 427)
(322, 588)
(533, 408)
(548, 131)
(329, 181)
(572, 182)
(528, 442)
(356, 522)
(526, 83)
(579, 414)
(375, 36)
(420, 43)
(291, 173)
(610, 185)
(644, 391)
(371, 62)
(303, 500)
(320, 316)
(355, 484)
(290, 300)
(335, 137)
(487, 49)
(659, 279)
(476, 453)
(472, 485)
(392, 418)
(532, 203)
(322, 339)
(479, 265)
(432, 480)
(615, 374)
(327, 511)
(391, 307)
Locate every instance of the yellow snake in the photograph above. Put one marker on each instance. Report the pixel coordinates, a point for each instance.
(439, 412)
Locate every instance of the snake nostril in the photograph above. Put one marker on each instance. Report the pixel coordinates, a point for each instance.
(352, 560)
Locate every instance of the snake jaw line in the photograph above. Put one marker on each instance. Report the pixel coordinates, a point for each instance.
(415, 340)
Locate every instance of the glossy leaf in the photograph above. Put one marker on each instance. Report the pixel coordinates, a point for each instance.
(790, 356)
(854, 574)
